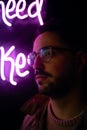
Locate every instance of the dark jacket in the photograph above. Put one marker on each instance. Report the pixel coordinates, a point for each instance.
(36, 109)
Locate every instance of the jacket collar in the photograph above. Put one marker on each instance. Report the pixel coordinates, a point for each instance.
(34, 104)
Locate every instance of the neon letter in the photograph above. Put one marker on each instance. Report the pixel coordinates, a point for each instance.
(21, 58)
(38, 10)
(5, 57)
(3, 14)
(9, 10)
(18, 10)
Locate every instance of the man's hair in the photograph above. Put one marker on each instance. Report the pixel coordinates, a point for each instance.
(70, 32)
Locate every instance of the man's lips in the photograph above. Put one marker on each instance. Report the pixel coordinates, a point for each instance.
(40, 77)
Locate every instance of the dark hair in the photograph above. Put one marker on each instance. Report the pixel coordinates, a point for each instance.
(70, 32)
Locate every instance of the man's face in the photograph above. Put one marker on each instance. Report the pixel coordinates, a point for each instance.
(56, 77)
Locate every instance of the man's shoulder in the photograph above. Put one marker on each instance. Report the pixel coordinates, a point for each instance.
(35, 110)
(34, 104)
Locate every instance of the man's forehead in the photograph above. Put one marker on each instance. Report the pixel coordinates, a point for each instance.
(47, 39)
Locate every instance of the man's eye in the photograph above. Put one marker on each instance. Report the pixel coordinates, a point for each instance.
(46, 53)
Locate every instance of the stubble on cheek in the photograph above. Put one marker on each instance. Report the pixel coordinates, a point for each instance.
(54, 88)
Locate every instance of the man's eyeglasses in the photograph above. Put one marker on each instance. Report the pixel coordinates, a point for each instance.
(45, 54)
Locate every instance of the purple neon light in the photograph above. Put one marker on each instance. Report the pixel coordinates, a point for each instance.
(21, 57)
(13, 10)
(17, 64)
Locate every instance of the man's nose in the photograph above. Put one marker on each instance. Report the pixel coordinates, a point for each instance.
(38, 63)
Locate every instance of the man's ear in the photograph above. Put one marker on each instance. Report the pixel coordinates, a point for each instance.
(82, 58)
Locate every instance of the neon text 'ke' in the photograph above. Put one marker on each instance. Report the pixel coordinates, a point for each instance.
(15, 64)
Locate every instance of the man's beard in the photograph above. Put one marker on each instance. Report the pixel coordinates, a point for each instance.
(58, 89)
(60, 86)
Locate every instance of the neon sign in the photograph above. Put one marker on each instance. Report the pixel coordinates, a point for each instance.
(13, 10)
(16, 64)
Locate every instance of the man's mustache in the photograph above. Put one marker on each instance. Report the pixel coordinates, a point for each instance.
(41, 72)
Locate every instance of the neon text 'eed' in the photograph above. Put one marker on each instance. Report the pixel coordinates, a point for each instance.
(13, 10)
(16, 64)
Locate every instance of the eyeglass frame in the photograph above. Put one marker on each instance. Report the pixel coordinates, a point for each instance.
(47, 47)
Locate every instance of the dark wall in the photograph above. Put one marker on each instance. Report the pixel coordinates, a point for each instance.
(13, 97)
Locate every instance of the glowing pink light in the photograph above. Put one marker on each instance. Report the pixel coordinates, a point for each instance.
(6, 57)
(15, 64)
(18, 10)
(9, 10)
(14, 8)
(21, 65)
(3, 14)
(28, 60)
(38, 7)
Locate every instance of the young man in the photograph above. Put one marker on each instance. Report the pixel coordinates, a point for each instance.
(59, 64)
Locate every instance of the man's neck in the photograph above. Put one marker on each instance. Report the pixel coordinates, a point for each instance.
(68, 106)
